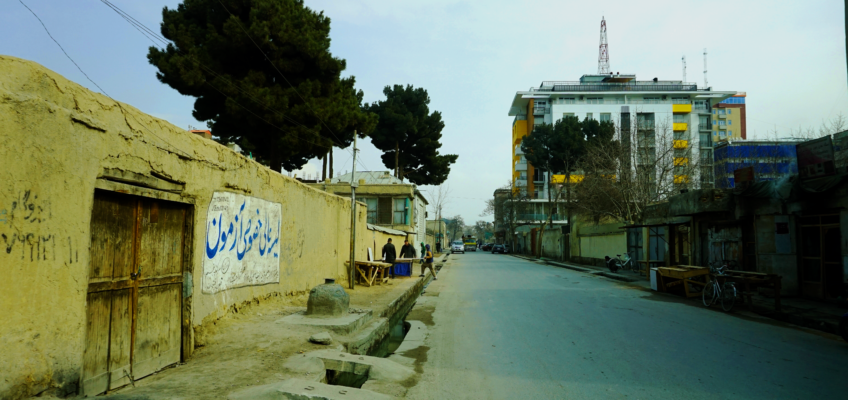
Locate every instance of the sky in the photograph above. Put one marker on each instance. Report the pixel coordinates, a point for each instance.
(472, 56)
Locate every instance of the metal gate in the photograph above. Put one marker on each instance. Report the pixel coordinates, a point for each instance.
(134, 289)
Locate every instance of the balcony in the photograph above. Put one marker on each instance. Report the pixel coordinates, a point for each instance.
(539, 217)
(521, 166)
(722, 116)
(680, 126)
(681, 144)
(541, 110)
(681, 108)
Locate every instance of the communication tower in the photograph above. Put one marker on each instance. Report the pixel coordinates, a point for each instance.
(684, 69)
(603, 54)
(706, 84)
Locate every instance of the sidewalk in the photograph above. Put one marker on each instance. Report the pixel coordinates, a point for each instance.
(798, 311)
(249, 346)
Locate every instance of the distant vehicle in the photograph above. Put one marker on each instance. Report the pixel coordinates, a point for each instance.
(499, 248)
(486, 247)
(470, 243)
(457, 247)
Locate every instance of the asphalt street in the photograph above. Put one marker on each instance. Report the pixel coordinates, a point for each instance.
(507, 328)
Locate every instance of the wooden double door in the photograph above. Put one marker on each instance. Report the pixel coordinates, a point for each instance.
(135, 288)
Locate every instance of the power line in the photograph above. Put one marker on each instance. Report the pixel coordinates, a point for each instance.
(150, 35)
(281, 73)
(98, 86)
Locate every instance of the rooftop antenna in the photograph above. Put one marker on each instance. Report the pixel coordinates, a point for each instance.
(684, 69)
(603, 55)
(706, 84)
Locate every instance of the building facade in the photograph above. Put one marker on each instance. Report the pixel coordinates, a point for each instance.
(729, 119)
(391, 203)
(675, 112)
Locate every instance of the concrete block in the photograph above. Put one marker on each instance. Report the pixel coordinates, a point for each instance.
(328, 299)
(343, 325)
(321, 338)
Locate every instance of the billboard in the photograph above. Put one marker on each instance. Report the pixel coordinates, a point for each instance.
(242, 242)
(815, 158)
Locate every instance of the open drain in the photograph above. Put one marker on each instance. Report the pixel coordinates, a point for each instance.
(345, 373)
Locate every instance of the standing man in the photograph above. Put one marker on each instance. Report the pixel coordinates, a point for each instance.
(389, 255)
(438, 247)
(407, 250)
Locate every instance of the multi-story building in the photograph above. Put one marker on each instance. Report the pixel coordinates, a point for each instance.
(770, 160)
(681, 108)
(729, 119)
(391, 203)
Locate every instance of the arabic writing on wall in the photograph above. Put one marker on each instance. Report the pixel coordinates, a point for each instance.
(242, 242)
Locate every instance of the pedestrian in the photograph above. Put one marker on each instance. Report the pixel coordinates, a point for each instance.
(428, 263)
(407, 250)
(438, 247)
(423, 252)
(389, 255)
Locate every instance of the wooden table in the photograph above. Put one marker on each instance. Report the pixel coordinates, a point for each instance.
(371, 273)
(751, 280)
(682, 275)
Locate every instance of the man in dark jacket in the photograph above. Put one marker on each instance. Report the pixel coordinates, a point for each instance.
(408, 250)
(389, 255)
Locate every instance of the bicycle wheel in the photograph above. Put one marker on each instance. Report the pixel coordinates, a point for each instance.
(708, 295)
(728, 296)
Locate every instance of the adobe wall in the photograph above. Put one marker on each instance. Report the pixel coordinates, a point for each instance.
(56, 139)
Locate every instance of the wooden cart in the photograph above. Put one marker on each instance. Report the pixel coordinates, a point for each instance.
(684, 275)
(746, 282)
(370, 273)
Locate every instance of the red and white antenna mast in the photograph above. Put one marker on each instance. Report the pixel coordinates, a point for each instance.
(603, 55)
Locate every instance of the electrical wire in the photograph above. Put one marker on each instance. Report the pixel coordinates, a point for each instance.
(151, 35)
(100, 88)
(238, 22)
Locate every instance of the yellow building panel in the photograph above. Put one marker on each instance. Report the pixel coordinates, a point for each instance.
(681, 144)
(680, 161)
(681, 108)
(681, 179)
(561, 178)
(680, 126)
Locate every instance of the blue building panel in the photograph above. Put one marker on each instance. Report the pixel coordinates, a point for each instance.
(770, 161)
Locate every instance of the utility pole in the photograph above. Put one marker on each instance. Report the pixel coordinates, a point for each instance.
(351, 276)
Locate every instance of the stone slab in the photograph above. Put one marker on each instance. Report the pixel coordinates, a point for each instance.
(343, 325)
(301, 389)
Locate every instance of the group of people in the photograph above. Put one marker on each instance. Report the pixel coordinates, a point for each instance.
(408, 251)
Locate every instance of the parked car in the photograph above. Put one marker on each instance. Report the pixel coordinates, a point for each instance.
(457, 247)
(486, 247)
(499, 248)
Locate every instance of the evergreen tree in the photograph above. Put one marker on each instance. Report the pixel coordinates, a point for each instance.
(284, 101)
(409, 135)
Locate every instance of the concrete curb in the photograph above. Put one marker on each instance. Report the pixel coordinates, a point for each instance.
(606, 274)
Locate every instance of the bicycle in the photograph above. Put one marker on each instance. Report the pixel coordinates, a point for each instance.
(713, 291)
(617, 263)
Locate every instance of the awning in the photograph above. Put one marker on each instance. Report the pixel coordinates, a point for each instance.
(672, 221)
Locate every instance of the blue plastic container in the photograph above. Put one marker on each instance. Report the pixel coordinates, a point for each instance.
(403, 269)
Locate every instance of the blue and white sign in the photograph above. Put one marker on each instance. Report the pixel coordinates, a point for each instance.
(242, 242)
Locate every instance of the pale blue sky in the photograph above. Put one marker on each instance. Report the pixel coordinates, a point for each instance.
(473, 55)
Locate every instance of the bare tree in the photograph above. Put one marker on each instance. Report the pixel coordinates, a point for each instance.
(508, 205)
(440, 197)
(647, 162)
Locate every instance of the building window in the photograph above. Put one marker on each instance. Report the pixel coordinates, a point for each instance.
(522, 175)
(721, 112)
(729, 111)
(384, 210)
(715, 123)
(589, 116)
(722, 122)
(595, 100)
(567, 115)
(680, 118)
(730, 122)
(652, 100)
(399, 211)
(606, 117)
(371, 204)
(722, 134)
(568, 100)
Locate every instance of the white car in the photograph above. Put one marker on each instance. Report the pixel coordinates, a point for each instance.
(457, 247)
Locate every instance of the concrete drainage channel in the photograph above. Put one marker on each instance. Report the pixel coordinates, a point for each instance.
(364, 366)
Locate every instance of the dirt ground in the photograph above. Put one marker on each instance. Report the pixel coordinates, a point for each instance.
(248, 347)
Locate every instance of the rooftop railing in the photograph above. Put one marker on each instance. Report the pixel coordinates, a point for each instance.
(637, 86)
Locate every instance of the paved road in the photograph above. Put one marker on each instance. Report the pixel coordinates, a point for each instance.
(506, 328)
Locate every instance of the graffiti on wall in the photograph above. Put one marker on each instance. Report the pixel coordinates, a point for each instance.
(242, 242)
(23, 231)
